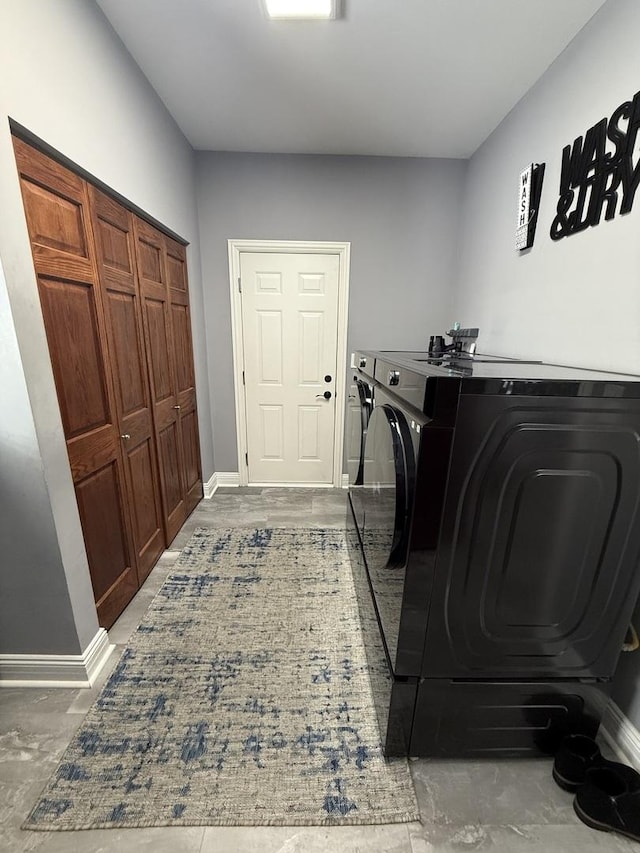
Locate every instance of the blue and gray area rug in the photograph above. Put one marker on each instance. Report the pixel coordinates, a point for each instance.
(242, 699)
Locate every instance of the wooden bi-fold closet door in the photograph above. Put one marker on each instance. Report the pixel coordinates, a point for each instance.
(56, 204)
(115, 250)
(115, 303)
(163, 287)
(155, 302)
(182, 352)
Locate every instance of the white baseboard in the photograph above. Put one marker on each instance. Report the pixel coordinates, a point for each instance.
(210, 486)
(220, 478)
(621, 735)
(232, 479)
(57, 670)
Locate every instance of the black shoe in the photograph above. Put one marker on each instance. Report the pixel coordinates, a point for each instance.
(577, 755)
(606, 802)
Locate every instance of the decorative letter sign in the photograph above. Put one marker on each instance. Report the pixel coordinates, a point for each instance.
(598, 170)
(529, 192)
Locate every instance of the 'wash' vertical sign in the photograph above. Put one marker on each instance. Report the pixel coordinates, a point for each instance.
(529, 195)
(524, 207)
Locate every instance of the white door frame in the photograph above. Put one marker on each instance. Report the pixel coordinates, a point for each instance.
(342, 250)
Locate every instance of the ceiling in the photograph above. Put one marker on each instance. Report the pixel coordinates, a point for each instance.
(413, 78)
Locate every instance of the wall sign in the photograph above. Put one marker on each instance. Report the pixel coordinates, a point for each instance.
(598, 172)
(529, 192)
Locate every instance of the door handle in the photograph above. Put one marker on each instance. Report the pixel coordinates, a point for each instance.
(326, 395)
(177, 408)
(125, 436)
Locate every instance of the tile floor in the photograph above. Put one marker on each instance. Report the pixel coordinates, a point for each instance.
(503, 807)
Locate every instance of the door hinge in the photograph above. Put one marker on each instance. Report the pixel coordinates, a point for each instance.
(246, 459)
(239, 285)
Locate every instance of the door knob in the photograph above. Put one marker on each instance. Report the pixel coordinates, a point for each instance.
(125, 436)
(326, 395)
(177, 408)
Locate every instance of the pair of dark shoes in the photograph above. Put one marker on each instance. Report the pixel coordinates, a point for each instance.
(607, 792)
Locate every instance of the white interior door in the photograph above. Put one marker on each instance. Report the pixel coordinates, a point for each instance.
(289, 313)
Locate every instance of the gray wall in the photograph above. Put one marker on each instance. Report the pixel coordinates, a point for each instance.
(575, 301)
(70, 81)
(400, 215)
(25, 508)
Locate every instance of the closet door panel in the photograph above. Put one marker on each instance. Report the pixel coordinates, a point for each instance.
(184, 372)
(146, 510)
(77, 357)
(165, 415)
(55, 207)
(57, 211)
(127, 357)
(149, 255)
(159, 348)
(193, 477)
(169, 450)
(90, 452)
(161, 380)
(115, 245)
(182, 348)
(114, 580)
(176, 266)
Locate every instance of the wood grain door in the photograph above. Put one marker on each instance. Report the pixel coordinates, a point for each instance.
(56, 207)
(115, 250)
(176, 267)
(150, 253)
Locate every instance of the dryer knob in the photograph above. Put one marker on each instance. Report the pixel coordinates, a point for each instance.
(394, 377)
(363, 362)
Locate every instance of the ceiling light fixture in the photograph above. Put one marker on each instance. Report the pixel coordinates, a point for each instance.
(301, 10)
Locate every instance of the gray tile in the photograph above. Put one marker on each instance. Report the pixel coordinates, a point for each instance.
(334, 520)
(84, 701)
(18, 797)
(168, 556)
(23, 774)
(490, 792)
(182, 538)
(392, 838)
(24, 736)
(21, 700)
(238, 516)
(221, 502)
(319, 521)
(157, 578)
(13, 840)
(332, 498)
(289, 518)
(563, 838)
(172, 839)
(163, 566)
(283, 493)
(235, 490)
(235, 516)
(129, 621)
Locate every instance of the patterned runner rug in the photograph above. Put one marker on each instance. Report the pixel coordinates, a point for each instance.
(242, 699)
